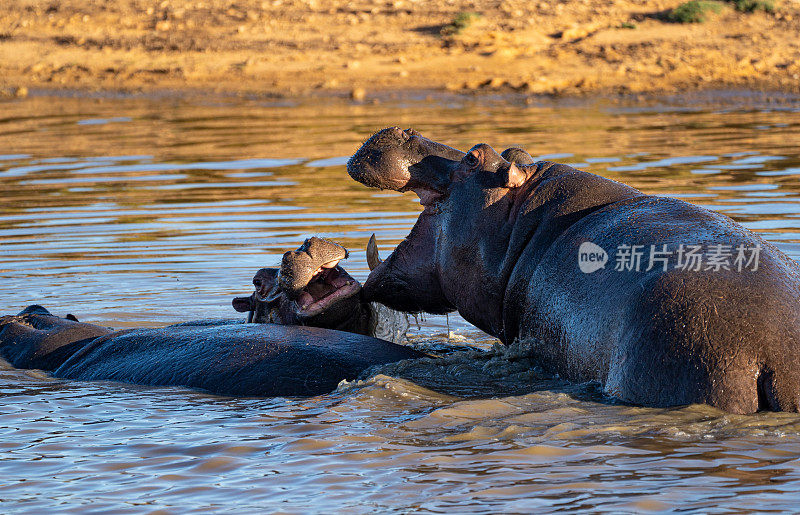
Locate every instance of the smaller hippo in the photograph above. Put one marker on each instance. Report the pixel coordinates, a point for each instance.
(223, 357)
(312, 289)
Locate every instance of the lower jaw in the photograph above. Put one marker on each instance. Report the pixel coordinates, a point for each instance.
(339, 295)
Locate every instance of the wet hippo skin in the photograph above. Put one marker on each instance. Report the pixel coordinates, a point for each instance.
(228, 359)
(296, 348)
(499, 242)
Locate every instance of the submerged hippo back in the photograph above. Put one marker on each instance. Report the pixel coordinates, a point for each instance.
(242, 360)
(36, 339)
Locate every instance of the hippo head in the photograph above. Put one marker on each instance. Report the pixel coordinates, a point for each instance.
(455, 254)
(402, 160)
(265, 299)
(309, 288)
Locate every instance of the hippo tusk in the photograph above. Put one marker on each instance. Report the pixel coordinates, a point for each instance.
(373, 258)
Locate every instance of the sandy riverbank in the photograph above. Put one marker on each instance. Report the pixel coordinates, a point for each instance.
(308, 47)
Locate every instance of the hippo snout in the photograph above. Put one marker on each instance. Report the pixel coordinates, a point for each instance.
(403, 160)
(380, 162)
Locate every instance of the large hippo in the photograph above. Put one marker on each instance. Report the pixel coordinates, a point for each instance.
(548, 254)
(221, 357)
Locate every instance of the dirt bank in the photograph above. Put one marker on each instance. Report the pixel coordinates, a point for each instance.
(306, 47)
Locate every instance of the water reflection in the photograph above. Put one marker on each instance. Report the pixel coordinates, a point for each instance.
(131, 212)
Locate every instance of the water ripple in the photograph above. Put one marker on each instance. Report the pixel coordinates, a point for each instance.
(165, 216)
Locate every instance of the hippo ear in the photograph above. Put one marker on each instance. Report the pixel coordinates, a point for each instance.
(242, 304)
(517, 155)
(72, 317)
(34, 308)
(515, 177)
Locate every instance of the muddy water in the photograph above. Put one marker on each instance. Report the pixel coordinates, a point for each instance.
(136, 212)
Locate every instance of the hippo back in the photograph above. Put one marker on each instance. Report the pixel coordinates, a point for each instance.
(240, 359)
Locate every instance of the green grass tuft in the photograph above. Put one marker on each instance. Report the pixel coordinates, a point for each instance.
(460, 22)
(749, 6)
(694, 11)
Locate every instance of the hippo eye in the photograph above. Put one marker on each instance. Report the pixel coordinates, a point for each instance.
(471, 160)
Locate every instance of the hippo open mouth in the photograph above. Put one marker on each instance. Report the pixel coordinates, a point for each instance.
(309, 288)
(329, 284)
(403, 160)
(312, 278)
(428, 198)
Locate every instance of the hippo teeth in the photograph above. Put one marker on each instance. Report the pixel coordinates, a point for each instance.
(326, 266)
